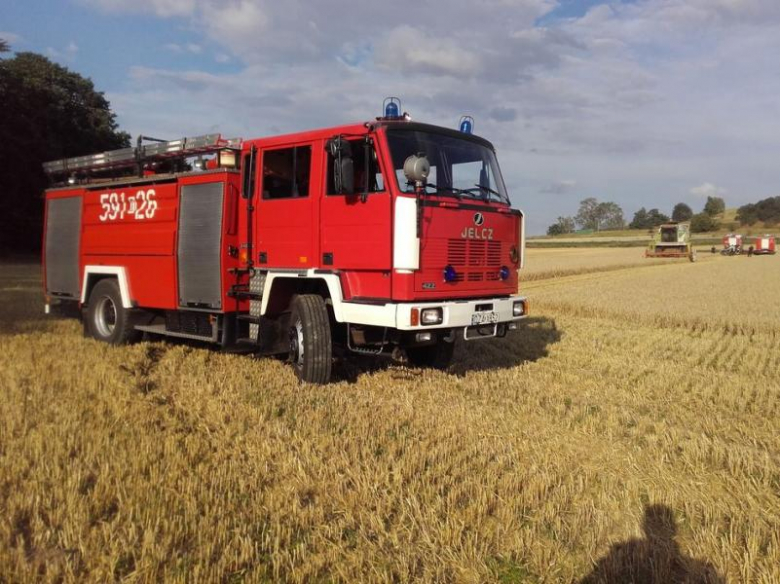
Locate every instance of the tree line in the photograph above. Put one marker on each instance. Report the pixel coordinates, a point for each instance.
(766, 210)
(48, 112)
(598, 216)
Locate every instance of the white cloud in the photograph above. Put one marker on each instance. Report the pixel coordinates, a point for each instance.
(412, 50)
(68, 53)
(188, 48)
(636, 100)
(707, 189)
(559, 187)
(163, 8)
(10, 37)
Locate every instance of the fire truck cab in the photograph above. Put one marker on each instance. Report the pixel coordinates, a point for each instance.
(389, 237)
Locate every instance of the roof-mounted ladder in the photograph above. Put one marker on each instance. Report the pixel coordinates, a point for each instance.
(142, 153)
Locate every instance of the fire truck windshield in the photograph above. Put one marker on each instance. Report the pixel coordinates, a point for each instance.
(460, 167)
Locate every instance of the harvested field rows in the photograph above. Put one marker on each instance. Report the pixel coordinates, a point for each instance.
(543, 264)
(539, 458)
(736, 293)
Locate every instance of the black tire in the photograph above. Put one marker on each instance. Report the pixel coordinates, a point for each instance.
(436, 356)
(106, 319)
(311, 344)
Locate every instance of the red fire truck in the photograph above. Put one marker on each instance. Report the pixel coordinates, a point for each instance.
(765, 245)
(390, 237)
(732, 244)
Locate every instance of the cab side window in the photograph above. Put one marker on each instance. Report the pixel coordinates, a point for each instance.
(286, 172)
(359, 150)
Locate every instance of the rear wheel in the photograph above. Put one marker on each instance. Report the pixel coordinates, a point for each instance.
(436, 356)
(311, 345)
(107, 320)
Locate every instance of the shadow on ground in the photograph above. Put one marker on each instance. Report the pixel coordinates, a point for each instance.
(21, 311)
(655, 559)
(529, 343)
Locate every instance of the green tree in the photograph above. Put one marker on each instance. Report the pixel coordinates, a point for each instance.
(4, 48)
(747, 214)
(588, 214)
(640, 220)
(644, 219)
(48, 112)
(766, 210)
(597, 216)
(703, 222)
(714, 206)
(682, 212)
(562, 226)
(610, 216)
(657, 218)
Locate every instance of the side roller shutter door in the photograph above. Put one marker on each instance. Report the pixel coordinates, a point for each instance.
(63, 231)
(200, 241)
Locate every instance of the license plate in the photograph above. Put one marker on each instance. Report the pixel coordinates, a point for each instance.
(484, 318)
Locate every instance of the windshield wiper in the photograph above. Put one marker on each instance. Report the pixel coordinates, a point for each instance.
(460, 193)
(486, 190)
(446, 190)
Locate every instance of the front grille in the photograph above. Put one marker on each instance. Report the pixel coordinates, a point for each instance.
(476, 261)
(457, 252)
(473, 253)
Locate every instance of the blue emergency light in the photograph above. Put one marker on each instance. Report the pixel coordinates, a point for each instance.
(467, 124)
(450, 274)
(392, 108)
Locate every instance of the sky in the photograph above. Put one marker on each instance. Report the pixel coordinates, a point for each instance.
(643, 102)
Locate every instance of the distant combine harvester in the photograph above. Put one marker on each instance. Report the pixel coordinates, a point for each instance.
(672, 240)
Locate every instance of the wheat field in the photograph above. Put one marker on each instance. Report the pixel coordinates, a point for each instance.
(544, 264)
(627, 432)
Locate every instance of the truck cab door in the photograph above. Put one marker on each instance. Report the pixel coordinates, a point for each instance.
(356, 227)
(286, 210)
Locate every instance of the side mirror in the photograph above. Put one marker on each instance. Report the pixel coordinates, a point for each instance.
(344, 175)
(343, 167)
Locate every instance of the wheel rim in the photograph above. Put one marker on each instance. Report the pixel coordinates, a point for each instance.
(296, 343)
(105, 316)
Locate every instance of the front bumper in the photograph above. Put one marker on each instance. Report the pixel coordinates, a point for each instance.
(455, 313)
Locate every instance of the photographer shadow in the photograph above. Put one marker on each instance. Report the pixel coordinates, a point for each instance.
(656, 559)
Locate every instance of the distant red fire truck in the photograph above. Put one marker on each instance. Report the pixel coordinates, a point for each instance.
(764, 245)
(732, 244)
(385, 237)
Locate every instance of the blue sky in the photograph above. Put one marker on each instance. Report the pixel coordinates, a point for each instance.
(644, 102)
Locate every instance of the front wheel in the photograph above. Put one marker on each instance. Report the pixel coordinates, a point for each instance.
(107, 320)
(311, 346)
(436, 356)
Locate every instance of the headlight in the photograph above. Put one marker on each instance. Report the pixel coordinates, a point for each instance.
(518, 308)
(429, 316)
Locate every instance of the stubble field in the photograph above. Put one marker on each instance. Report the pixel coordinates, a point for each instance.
(628, 431)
